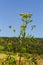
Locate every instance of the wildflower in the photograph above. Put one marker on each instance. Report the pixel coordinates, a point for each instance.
(26, 15)
(14, 30)
(23, 27)
(10, 26)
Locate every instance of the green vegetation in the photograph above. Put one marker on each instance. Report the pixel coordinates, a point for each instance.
(1, 48)
(34, 47)
(20, 47)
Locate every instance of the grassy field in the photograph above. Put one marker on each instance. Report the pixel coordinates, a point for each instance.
(38, 57)
(35, 50)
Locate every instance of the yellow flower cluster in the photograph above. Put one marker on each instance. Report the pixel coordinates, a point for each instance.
(26, 15)
(23, 27)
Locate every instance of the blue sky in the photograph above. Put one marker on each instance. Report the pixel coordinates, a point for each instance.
(9, 15)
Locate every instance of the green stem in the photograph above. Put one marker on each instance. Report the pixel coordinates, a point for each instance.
(19, 59)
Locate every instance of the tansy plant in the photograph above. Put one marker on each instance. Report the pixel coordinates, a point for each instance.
(26, 18)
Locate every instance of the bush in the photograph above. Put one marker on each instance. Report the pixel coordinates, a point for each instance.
(1, 48)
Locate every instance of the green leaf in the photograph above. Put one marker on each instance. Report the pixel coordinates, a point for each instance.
(23, 50)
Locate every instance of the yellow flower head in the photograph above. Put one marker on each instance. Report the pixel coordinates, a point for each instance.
(26, 15)
(23, 27)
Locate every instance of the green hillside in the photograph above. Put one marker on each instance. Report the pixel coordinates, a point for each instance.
(33, 47)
